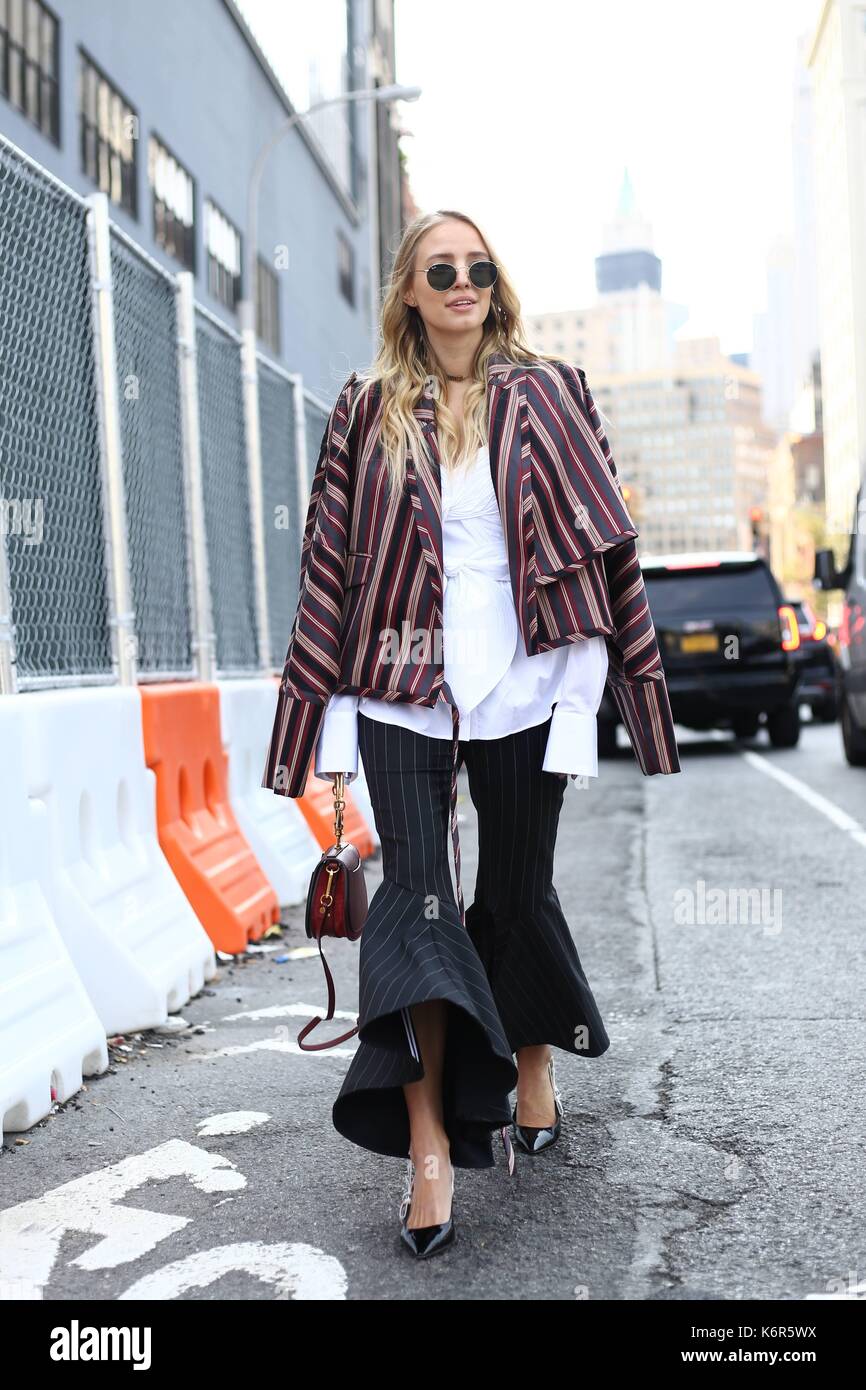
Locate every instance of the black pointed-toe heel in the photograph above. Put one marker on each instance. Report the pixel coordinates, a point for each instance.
(424, 1241)
(533, 1139)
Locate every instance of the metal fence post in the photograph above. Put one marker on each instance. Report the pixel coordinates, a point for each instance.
(252, 435)
(203, 636)
(8, 673)
(122, 618)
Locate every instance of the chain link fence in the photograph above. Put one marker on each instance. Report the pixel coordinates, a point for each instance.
(226, 494)
(145, 334)
(94, 408)
(50, 489)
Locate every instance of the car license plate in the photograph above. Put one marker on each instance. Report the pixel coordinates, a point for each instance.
(699, 642)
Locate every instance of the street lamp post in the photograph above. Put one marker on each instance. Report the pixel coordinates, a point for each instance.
(249, 364)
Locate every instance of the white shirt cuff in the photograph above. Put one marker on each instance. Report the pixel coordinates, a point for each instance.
(572, 744)
(337, 748)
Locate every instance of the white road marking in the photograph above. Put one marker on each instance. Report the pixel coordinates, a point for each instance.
(279, 1043)
(280, 1040)
(232, 1122)
(834, 813)
(858, 1293)
(287, 1011)
(296, 1271)
(31, 1232)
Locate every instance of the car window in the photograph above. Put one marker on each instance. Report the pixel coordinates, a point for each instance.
(718, 589)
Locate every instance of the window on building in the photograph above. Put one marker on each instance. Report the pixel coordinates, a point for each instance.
(346, 268)
(109, 136)
(223, 246)
(268, 306)
(172, 189)
(28, 62)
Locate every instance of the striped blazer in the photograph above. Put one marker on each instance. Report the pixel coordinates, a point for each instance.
(369, 613)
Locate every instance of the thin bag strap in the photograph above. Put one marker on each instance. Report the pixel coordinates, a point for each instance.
(314, 1022)
(339, 807)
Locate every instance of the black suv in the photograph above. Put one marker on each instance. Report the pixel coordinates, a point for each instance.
(851, 643)
(727, 640)
(816, 663)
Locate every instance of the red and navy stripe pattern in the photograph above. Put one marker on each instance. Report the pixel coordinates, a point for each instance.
(369, 615)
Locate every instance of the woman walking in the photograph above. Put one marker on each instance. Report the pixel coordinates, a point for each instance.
(469, 582)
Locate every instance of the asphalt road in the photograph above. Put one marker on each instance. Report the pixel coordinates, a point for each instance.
(715, 1151)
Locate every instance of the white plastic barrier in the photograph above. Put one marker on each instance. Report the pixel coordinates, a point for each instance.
(134, 939)
(275, 827)
(50, 1033)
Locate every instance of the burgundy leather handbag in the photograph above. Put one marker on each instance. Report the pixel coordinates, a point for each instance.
(336, 906)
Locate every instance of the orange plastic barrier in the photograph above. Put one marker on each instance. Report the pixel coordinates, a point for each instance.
(198, 833)
(317, 805)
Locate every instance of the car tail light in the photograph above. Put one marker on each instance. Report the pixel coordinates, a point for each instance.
(790, 628)
(852, 626)
(844, 636)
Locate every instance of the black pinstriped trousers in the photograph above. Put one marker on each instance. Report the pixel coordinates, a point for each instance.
(512, 976)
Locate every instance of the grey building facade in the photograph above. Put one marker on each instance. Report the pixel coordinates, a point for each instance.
(165, 105)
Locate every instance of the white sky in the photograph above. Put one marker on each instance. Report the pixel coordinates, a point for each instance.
(531, 110)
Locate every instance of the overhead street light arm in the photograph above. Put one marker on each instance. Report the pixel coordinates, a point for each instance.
(393, 92)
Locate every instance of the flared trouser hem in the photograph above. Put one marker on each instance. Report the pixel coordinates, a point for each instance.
(537, 981)
(410, 958)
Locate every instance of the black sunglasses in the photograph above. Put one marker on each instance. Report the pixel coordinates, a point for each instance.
(442, 276)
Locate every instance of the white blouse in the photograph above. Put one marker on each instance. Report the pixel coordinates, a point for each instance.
(497, 687)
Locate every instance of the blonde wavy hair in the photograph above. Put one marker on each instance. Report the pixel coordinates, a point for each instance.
(405, 359)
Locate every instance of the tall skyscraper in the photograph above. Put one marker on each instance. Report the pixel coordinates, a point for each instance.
(631, 326)
(683, 419)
